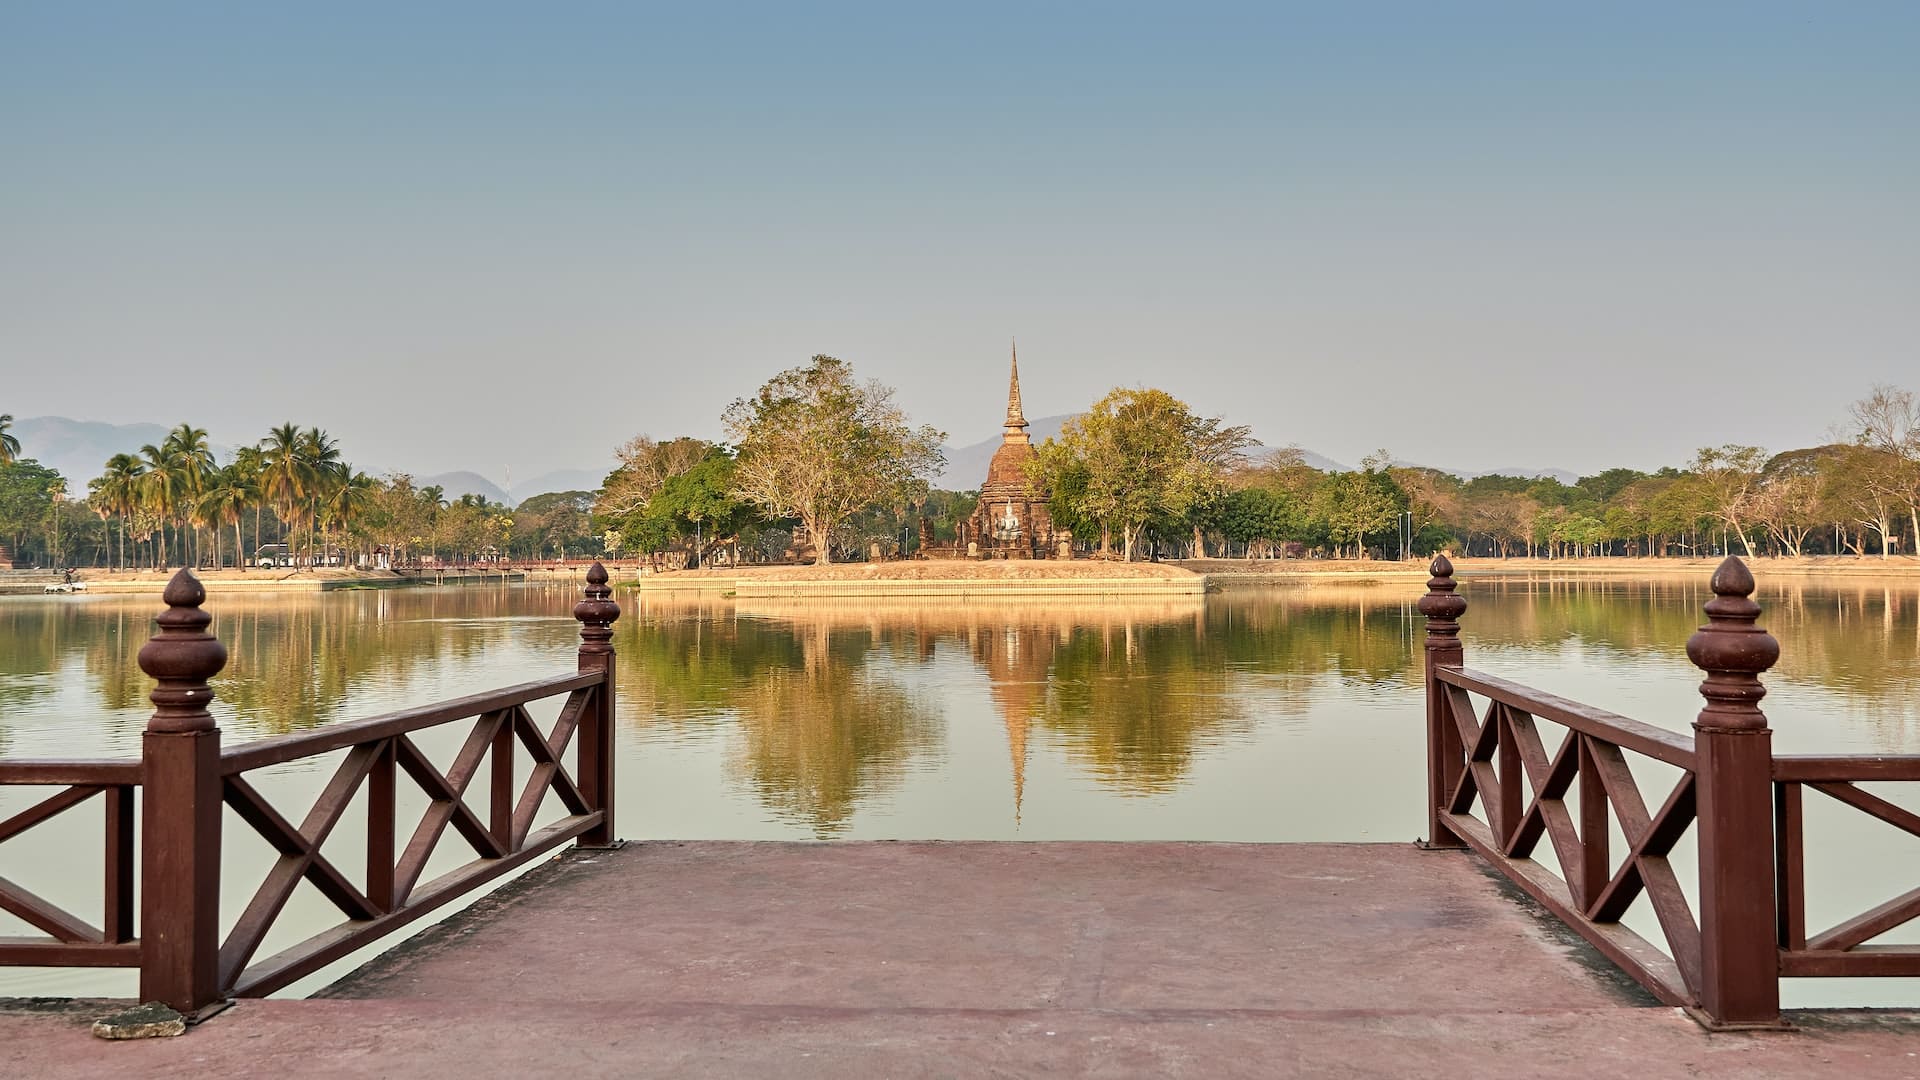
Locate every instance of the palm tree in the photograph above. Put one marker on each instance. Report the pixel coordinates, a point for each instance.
(283, 477)
(225, 502)
(9, 446)
(326, 473)
(351, 498)
(160, 484)
(117, 491)
(251, 463)
(192, 460)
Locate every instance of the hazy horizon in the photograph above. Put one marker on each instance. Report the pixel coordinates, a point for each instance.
(483, 236)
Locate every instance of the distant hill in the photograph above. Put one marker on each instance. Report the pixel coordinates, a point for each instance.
(455, 484)
(967, 465)
(558, 480)
(79, 449)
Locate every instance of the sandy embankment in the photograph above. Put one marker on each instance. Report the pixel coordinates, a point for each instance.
(1099, 577)
(258, 580)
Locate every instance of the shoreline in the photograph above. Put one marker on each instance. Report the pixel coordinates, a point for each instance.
(109, 582)
(1009, 578)
(1195, 577)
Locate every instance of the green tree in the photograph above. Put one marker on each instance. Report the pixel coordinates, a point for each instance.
(1261, 517)
(9, 444)
(225, 501)
(816, 446)
(1731, 478)
(26, 501)
(1139, 456)
(1361, 502)
(117, 491)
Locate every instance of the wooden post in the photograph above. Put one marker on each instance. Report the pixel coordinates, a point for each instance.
(1446, 754)
(180, 804)
(597, 614)
(1740, 966)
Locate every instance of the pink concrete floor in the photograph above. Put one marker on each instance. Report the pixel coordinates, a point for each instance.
(978, 959)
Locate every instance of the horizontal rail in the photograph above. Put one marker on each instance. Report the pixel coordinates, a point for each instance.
(288, 966)
(1834, 768)
(1629, 734)
(92, 772)
(305, 744)
(46, 952)
(1867, 961)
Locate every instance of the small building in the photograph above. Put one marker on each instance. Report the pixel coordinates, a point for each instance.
(1012, 522)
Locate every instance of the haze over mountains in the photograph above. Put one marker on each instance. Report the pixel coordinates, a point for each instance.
(967, 465)
(78, 449)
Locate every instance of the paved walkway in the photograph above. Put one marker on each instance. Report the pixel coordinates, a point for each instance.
(979, 959)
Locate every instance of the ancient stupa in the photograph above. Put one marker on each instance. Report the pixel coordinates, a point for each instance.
(1010, 523)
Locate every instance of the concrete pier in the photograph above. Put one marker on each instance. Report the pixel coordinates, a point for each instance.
(979, 959)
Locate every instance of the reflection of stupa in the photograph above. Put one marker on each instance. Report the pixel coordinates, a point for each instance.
(1009, 523)
(1017, 660)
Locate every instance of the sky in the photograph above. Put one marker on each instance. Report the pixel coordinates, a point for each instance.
(490, 236)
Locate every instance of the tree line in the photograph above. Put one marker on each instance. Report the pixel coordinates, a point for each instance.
(1139, 471)
(821, 466)
(289, 500)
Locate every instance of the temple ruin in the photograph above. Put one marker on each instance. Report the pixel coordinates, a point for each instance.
(1012, 522)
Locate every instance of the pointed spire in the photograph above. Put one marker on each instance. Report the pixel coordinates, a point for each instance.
(1017, 746)
(1016, 419)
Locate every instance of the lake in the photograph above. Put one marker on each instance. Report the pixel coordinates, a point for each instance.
(1276, 714)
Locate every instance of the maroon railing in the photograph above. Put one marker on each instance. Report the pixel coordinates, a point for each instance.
(1743, 803)
(1848, 948)
(185, 777)
(71, 941)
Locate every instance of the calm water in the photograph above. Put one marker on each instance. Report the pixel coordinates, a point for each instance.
(1262, 716)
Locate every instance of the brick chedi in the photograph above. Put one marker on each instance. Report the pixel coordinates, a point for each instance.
(1011, 522)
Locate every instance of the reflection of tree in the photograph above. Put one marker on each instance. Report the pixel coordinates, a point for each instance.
(1859, 640)
(684, 659)
(294, 659)
(1136, 701)
(823, 735)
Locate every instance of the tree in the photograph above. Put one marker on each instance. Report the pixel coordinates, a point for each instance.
(816, 446)
(9, 445)
(224, 502)
(284, 479)
(1731, 475)
(1261, 517)
(644, 466)
(1138, 456)
(26, 499)
(117, 491)
(1888, 420)
(1360, 502)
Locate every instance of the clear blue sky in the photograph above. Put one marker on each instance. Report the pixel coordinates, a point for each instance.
(480, 235)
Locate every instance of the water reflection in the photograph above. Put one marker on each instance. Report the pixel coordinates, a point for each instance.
(827, 716)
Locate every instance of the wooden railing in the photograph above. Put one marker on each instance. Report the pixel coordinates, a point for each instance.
(71, 941)
(186, 776)
(1742, 803)
(1523, 794)
(1846, 949)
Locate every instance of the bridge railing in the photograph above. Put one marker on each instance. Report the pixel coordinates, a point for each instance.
(185, 777)
(1848, 948)
(1493, 787)
(71, 940)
